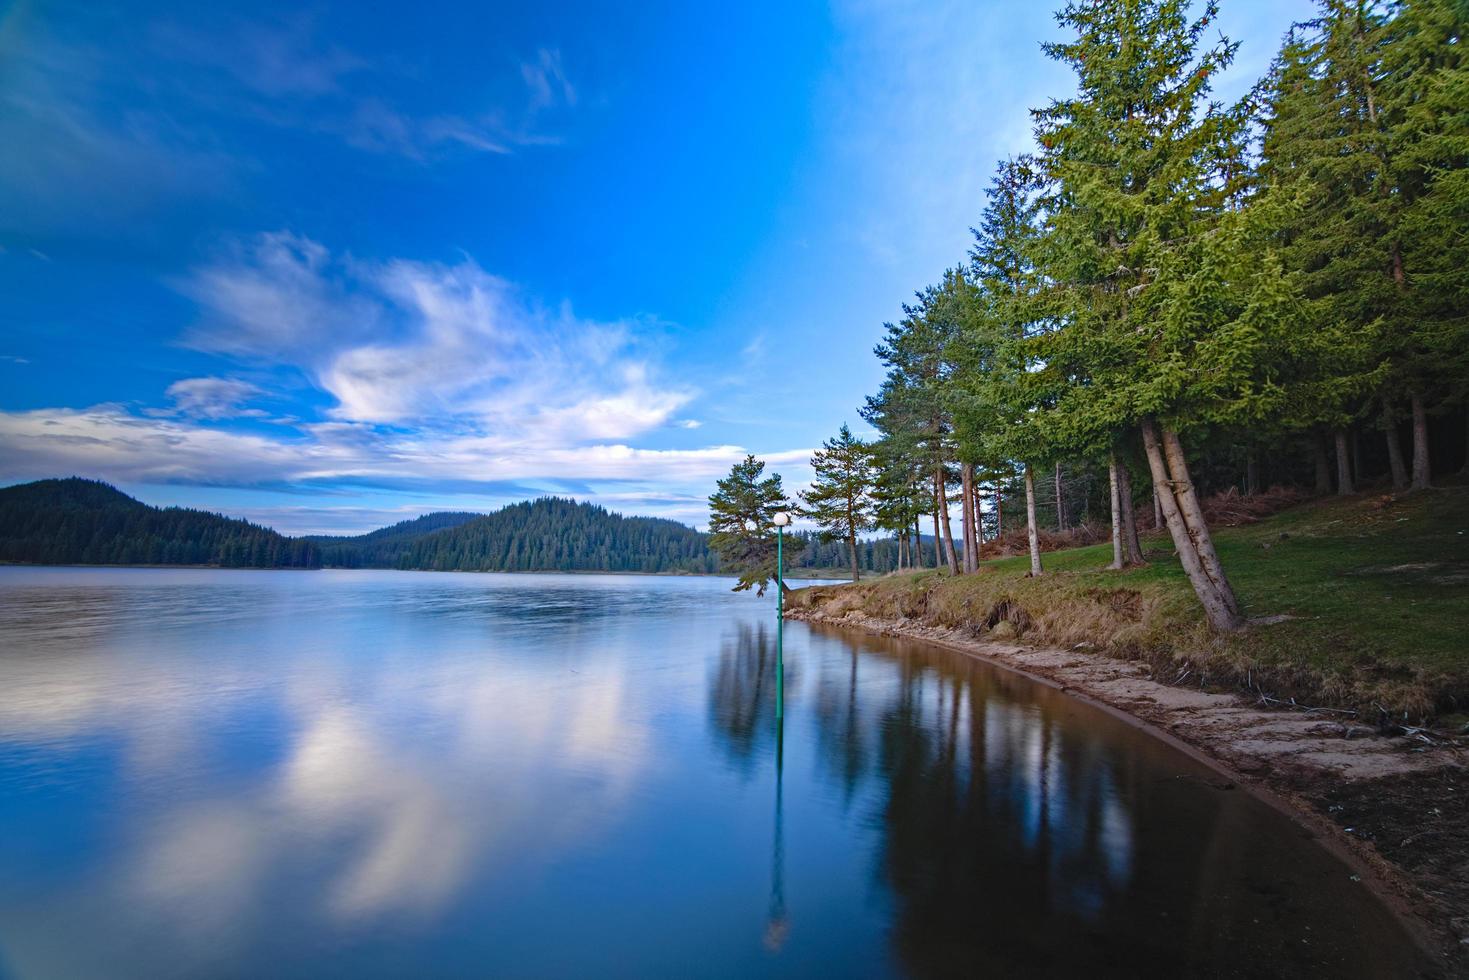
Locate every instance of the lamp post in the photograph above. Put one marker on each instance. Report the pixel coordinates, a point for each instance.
(780, 519)
(779, 926)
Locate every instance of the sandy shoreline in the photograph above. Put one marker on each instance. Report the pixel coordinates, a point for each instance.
(1313, 766)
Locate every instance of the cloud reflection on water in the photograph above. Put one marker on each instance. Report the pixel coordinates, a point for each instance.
(386, 787)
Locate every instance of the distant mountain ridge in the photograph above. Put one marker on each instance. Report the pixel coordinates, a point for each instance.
(75, 521)
(78, 521)
(86, 522)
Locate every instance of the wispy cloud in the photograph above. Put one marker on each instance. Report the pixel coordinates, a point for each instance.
(288, 76)
(405, 341)
(547, 81)
(74, 147)
(214, 398)
(438, 375)
(160, 112)
(115, 443)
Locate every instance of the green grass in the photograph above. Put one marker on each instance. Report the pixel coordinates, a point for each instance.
(1376, 591)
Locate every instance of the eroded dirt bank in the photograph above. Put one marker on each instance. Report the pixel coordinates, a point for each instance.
(1393, 806)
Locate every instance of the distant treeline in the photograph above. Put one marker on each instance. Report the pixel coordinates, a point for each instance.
(76, 521)
(384, 547)
(550, 535)
(83, 522)
(877, 555)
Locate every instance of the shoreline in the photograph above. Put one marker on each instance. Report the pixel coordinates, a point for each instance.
(819, 579)
(1287, 759)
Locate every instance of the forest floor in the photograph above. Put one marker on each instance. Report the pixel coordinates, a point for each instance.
(1359, 612)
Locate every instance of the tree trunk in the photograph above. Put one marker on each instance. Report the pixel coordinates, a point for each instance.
(1116, 511)
(1344, 486)
(1030, 528)
(1252, 473)
(1220, 613)
(1395, 454)
(1193, 517)
(978, 505)
(1323, 464)
(1060, 502)
(938, 544)
(1132, 546)
(1421, 470)
(999, 512)
(943, 501)
(971, 547)
(1157, 511)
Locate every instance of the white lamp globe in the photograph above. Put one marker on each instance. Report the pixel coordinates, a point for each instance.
(781, 518)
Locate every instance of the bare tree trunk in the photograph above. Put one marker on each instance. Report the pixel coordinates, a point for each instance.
(971, 547)
(978, 504)
(943, 501)
(1252, 473)
(1157, 510)
(1344, 486)
(938, 542)
(1323, 464)
(1060, 502)
(1193, 517)
(1132, 546)
(1219, 612)
(1421, 469)
(1395, 453)
(1116, 511)
(1030, 528)
(999, 512)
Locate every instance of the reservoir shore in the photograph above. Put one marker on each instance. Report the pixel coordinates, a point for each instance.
(1390, 806)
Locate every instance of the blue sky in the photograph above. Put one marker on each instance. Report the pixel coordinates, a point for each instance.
(333, 266)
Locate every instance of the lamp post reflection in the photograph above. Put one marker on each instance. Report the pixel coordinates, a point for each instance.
(779, 926)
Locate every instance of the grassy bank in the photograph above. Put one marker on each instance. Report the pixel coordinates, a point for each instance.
(1359, 603)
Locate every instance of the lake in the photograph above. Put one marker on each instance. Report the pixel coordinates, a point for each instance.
(261, 773)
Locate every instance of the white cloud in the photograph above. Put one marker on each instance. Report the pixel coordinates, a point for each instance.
(113, 443)
(274, 297)
(442, 380)
(214, 398)
(406, 342)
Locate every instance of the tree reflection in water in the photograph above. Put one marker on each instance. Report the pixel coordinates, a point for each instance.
(1018, 830)
(742, 693)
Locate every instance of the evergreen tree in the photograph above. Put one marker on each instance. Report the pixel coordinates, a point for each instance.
(1001, 383)
(840, 499)
(742, 523)
(1171, 299)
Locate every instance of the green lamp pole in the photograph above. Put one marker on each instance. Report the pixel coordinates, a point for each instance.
(781, 519)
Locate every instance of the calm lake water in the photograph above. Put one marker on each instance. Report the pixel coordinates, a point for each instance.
(248, 773)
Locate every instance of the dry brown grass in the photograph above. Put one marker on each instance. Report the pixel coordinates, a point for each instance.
(1354, 609)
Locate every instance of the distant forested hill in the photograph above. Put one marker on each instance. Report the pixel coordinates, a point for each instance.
(552, 534)
(385, 546)
(77, 521)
